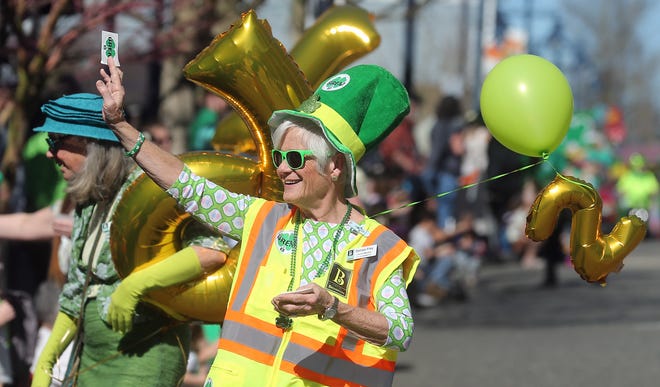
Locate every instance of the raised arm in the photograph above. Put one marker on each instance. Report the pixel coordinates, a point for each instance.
(161, 166)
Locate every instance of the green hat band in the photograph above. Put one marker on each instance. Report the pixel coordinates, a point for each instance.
(341, 129)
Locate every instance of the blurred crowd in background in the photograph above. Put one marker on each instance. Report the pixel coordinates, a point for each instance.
(471, 195)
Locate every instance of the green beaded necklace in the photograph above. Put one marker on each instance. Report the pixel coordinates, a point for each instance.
(285, 322)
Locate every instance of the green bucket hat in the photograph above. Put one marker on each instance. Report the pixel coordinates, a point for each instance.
(356, 109)
(78, 115)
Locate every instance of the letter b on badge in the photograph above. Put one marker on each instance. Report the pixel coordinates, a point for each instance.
(338, 279)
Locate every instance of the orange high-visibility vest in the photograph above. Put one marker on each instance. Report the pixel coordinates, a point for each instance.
(254, 351)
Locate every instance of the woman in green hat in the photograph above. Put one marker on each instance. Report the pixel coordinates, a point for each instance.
(319, 295)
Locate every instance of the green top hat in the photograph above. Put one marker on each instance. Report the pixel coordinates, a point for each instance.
(356, 109)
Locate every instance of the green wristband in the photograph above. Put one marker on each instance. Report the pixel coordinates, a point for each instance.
(136, 147)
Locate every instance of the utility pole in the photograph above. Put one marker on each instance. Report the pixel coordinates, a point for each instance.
(478, 55)
(154, 66)
(409, 46)
(529, 21)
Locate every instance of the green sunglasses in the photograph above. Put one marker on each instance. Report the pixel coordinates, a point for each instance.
(295, 157)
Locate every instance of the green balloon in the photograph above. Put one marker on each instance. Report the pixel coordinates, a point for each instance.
(527, 104)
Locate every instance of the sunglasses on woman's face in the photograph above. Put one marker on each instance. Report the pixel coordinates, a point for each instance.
(295, 157)
(54, 143)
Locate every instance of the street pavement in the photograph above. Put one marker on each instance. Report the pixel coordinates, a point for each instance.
(514, 333)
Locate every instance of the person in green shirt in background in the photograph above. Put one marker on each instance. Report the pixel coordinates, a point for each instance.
(43, 181)
(202, 129)
(638, 188)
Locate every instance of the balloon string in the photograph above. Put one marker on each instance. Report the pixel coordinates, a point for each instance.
(576, 182)
(544, 159)
(75, 375)
(572, 181)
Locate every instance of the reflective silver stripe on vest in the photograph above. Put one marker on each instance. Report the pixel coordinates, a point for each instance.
(337, 368)
(261, 248)
(307, 358)
(251, 337)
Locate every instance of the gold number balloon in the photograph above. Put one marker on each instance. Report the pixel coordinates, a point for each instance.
(250, 69)
(341, 35)
(593, 254)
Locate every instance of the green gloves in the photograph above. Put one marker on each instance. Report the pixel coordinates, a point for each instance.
(64, 330)
(175, 269)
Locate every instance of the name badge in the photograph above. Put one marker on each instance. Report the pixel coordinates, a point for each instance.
(361, 252)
